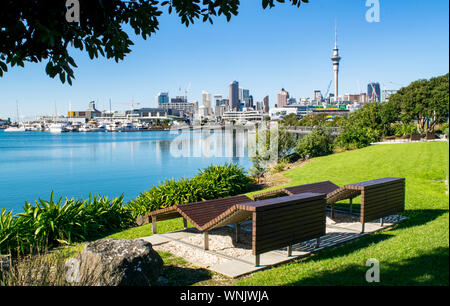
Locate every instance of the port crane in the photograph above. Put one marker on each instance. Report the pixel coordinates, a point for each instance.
(328, 89)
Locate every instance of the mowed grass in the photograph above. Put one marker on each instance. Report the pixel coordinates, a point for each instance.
(414, 253)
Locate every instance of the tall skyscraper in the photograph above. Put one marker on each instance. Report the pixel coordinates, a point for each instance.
(246, 97)
(206, 101)
(234, 96)
(283, 98)
(373, 92)
(336, 59)
(266, 104)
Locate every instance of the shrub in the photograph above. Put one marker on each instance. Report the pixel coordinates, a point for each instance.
(278, 167)
(211, 183)
(221, 181)
(404, 129)
(318, 143)
(355, 138)
(48, 223)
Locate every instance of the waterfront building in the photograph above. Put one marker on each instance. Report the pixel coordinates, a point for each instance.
(233, 96)
(278, 113)
(84, 116)
(243, 116)
(162, 98)
(180, 103)
(373, 92)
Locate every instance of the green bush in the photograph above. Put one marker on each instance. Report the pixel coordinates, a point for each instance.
(211, 183)
(404, 129)
(221, 181)
(318, 143)
(356, 138)
(48, 223)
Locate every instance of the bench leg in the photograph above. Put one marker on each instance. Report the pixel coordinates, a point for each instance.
(206, 240)
(289, 251)
(332, 211)
(362, 227)
(381, 221)
(351, 205)
(317, 243)
(184, 223)
(257, 260)
(154, 230)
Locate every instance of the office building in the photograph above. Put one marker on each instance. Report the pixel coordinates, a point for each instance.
(162, 98)
(234, 103)
(283, 98)
(206, 101)
(266, 104)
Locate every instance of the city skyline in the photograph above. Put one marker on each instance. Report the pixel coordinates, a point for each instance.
(372, 52)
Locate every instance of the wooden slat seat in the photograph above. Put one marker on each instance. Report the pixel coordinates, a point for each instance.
(379, 198)
(320, 187)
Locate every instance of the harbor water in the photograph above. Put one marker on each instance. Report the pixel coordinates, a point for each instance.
(74, 165)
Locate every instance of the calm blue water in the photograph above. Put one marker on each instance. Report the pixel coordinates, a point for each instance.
(32, 164)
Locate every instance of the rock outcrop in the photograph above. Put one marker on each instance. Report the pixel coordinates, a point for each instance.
(115, 262)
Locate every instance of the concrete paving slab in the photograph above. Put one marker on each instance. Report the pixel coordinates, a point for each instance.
(243, 263)
(156, 239)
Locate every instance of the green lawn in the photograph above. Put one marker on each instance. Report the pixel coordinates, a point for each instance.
(414, 253)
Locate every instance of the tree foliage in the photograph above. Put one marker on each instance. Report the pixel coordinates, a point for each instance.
(424, 101)
(33, 31)
(318, 143)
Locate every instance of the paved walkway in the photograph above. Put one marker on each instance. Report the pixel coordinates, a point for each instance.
(235, 259)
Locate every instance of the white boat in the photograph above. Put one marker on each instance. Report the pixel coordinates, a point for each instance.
(19, 128)
(127, 127)
(112, 127)
(57, 128)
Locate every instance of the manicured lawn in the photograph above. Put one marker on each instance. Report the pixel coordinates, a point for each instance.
(414, 253)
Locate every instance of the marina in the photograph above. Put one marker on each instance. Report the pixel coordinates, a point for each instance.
(79, 164)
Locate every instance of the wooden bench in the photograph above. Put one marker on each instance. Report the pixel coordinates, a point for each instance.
(320, 187)
(276, 223)
(198, 213)
(379, 198)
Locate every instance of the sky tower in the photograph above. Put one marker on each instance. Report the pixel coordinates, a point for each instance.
(336, 59)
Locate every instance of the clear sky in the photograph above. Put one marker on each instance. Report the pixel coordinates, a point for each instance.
(264, 50)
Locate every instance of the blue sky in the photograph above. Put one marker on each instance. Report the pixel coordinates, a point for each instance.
(264, 50)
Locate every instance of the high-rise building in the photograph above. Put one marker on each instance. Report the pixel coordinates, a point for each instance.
(217, 100)
(206, 101)
(373, 92)
(251, 102)
(336, 59)
(234, 103)
(266, 104)
(245, 97)
(162, 98)
(283, 98)
(318, 96)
